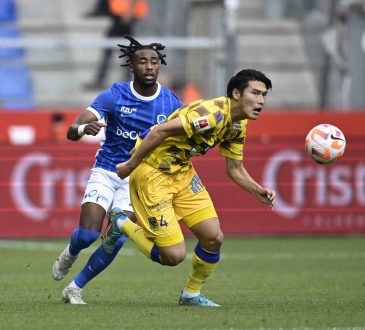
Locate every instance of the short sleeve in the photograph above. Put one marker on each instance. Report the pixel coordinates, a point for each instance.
(177, 103)
(104, 103)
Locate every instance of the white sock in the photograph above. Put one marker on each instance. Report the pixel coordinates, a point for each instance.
(73, 285)
(120, 223)
(187, 294)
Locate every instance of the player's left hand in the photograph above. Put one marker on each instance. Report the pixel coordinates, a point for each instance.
(124, 169)
(268, 197)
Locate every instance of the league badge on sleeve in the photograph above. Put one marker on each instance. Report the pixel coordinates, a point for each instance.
(201, 124)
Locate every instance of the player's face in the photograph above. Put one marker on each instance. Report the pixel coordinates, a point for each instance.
(145, 67)
(252, 100)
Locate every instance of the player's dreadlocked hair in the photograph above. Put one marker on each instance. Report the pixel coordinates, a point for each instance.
(135, 45)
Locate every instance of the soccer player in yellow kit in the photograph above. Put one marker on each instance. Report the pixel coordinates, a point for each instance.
(165, 188)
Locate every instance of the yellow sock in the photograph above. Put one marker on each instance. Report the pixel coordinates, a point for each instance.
(136, 234)
(201, 270)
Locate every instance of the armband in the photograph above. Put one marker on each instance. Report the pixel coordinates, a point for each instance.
(80, 130)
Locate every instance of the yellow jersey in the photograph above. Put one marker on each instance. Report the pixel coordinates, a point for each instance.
(207, 123)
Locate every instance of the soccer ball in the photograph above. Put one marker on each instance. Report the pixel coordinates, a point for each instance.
(325, 143)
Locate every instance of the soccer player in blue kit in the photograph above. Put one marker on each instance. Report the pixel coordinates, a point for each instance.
(129, 108)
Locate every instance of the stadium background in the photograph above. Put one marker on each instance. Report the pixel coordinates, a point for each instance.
(314, 52)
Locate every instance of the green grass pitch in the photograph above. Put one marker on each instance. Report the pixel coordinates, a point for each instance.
(261, 283)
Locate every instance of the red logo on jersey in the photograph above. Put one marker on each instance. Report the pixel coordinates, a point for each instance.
(201, 124)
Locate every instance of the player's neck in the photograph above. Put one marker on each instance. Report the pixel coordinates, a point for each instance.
(145, 91)
(236, 111)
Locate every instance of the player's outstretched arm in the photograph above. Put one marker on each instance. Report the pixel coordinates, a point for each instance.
(85, 123)
(153, 139)
(240, 176)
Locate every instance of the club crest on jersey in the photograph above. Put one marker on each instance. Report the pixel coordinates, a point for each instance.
(153, 223)
(126, 111)
(201, 124)
(161, 119)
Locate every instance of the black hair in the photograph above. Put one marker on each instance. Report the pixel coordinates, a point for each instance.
(135, 45)
(241, 79)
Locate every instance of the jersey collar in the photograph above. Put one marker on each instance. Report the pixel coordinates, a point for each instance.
(145, 98)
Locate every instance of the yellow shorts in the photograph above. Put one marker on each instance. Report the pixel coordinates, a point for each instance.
(160, 200)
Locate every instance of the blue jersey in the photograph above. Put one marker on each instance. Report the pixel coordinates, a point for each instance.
(128, 114)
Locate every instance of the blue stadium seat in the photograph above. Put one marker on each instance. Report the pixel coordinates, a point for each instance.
(10, 31)
(8, 11)
(15, 83)
(15, 88)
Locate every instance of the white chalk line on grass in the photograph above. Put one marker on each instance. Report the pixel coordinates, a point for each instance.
(246, 256)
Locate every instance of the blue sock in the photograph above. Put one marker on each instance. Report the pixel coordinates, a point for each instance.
(98, 261)
(211, 257)
(81, 238)
(155, 254)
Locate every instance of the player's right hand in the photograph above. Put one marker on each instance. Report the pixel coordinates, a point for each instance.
(93, 128)
(124, 169)
(268, 197)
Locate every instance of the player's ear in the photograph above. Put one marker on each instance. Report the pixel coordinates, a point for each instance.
(236, 95)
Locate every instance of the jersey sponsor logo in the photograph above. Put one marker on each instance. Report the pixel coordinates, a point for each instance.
(94, 195)
(126, 111)
(161, 205)
(101, 198)
(132, 135)
(91, 193)
(201, 124)
(196, 185)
